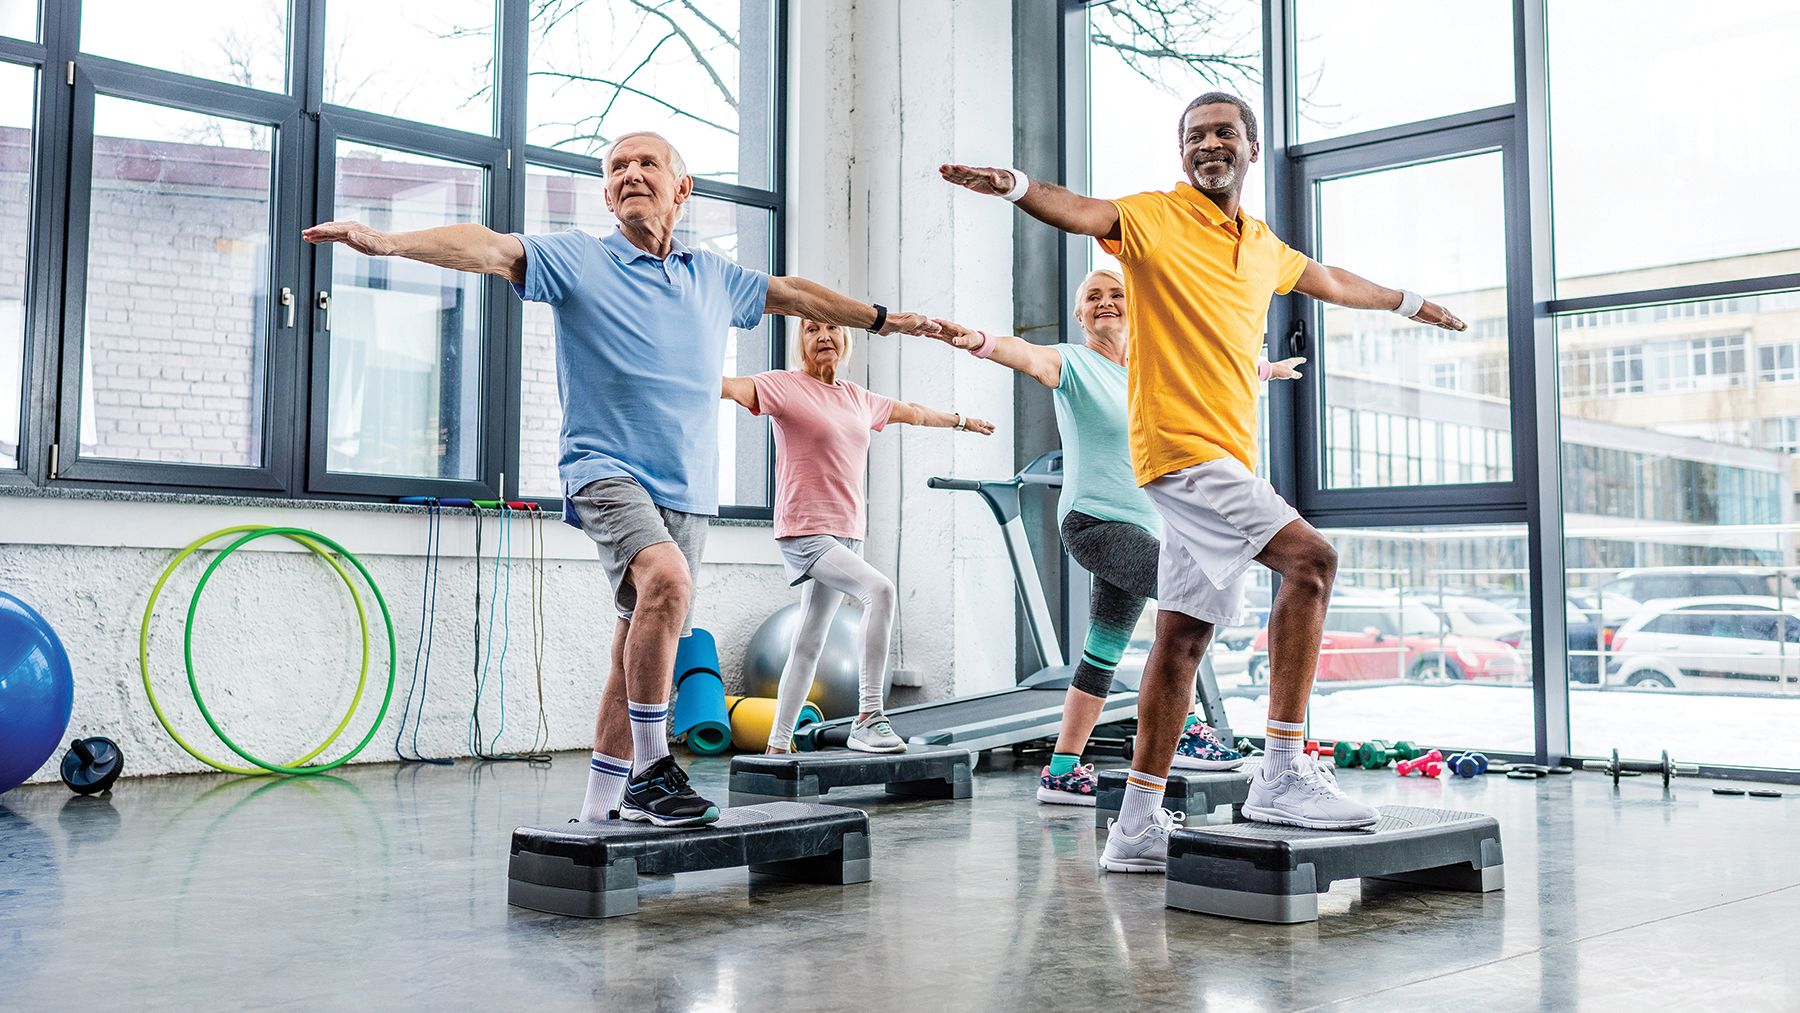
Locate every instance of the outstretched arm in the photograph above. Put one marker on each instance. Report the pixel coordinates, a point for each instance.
(1040, 362)
(797, 297)
(1048, 203)
(1344, 288)
(474, 248)
(912, 414)
(741, 389)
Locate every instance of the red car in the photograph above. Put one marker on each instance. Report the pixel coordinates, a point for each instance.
(1382, 638)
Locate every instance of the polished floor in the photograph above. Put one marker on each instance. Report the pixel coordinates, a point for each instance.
(384, 887)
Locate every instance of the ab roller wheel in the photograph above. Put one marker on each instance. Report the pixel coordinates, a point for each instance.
(318, 544)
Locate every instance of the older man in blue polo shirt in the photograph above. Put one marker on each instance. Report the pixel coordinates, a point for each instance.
(641, 325)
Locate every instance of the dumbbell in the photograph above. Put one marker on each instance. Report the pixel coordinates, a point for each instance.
(1429, 765)
(1617, 768)
(1346, 754)
(1467, 764)
(1315, 749)
(1378, 753)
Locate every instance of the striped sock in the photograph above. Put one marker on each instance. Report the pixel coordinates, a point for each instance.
(1281, 745)
(649, 734)
(1143, 796)
(606, 782)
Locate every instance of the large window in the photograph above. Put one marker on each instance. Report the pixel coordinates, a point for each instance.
(198, 343)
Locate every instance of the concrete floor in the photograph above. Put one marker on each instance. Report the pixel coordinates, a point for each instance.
(385, 887)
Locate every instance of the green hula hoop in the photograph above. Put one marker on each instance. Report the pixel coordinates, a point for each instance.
(386, 618)
(144, 648)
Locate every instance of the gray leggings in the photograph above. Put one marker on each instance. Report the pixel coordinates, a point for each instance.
(1122, 559)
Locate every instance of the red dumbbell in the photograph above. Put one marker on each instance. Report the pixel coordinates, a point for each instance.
(1430, 765)
(1314, 749)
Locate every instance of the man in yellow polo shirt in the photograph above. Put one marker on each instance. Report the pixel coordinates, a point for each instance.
(1201, 273)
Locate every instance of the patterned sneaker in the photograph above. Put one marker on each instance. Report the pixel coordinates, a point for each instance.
(660, 796)
(1201, 748)
(1147, 852)
(874, 734)
(1077, 787)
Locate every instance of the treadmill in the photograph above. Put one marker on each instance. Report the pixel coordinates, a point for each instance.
(1033, 709)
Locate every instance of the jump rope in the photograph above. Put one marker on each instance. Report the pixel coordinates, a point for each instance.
(481, 745)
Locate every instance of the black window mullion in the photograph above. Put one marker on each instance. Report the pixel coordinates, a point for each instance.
(503, 385)
(43, 281)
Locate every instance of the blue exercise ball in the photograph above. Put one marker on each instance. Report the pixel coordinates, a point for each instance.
(37, 691)
(834, 689)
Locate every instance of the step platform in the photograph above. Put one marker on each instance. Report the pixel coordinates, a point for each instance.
(1193, 792)
(590, 870)
(920, 772)
(1267, 873)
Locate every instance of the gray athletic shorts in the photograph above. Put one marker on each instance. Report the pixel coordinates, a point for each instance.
(623, 521)
(800, 552)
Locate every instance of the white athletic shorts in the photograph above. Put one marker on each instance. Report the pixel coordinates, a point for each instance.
(1216, 517)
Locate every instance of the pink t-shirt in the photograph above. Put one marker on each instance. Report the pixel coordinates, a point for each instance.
(821, 450)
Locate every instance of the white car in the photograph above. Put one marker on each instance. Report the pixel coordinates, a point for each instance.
(1720, 642)
(1476, 617)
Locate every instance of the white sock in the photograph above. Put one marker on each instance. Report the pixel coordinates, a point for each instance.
(1282, 745)
(1143, 796)
(606, 783)
(649, 733)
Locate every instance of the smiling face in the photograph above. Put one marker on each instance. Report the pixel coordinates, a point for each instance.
(645, 181)
(1216, 150)
(824, 344)
(1100, 306)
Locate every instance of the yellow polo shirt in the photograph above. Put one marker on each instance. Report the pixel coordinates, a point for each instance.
(1198, 290)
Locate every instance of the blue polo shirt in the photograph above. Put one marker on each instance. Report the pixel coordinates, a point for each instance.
(640, 350)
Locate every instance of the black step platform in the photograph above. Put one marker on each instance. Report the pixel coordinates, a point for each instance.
(1194, 792)
(920, 772)
(1267, 873)
(590, 870)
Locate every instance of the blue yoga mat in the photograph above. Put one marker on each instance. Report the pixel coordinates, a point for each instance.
(700, 695)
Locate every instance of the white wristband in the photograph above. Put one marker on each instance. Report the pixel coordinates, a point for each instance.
(959, 422)
(1021, 183)
(1410, 303)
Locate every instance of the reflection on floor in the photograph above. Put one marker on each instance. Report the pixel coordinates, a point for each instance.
(385, 886)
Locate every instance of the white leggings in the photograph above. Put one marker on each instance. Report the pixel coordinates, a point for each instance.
(836, 573)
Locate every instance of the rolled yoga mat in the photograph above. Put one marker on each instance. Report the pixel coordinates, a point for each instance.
(751, 717)
(700, 716)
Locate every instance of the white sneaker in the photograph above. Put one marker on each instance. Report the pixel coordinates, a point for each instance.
(874, 734)
(1147, 852)
(1305, 795)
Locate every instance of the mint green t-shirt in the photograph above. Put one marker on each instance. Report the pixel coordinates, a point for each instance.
(1090, 414)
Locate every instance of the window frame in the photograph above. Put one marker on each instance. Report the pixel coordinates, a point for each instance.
(297, 359)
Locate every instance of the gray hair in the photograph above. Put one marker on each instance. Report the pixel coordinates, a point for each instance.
(676, 162)
(1224, 98)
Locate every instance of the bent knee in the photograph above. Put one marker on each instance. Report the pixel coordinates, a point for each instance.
(880, 597)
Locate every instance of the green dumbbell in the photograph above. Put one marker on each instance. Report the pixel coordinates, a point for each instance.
(1407, 750)
(1344, 754)
(1378, 753)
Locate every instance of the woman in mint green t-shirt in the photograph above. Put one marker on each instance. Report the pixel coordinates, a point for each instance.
(1108, 524)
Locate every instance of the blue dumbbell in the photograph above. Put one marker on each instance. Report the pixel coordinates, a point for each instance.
(1467, 764)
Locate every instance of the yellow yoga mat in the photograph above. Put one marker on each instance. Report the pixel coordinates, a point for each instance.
(751, 716)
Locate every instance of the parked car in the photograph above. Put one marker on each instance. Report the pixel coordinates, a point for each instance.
(1620, 598)
(1583, 637)
(1734, 642)
(1477, 617)
(1386, 637)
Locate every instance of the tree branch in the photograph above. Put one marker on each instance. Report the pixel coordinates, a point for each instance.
(699, 57)
(677, 110)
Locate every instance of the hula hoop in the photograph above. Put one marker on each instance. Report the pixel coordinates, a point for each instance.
(386, 618)
(144, 648)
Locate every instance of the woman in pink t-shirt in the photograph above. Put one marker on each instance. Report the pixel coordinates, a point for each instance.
(822, 431)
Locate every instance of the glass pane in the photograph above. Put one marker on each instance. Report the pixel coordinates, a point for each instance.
(19, 19)
(427, 62)
(1380, 63)
(172, 368)
(405, 396)
(1679, 427)
(1428, 637)
(1153, 59)
(1610, 186)
(18, 109)
(236, 41)
(1406, 403)
(557, 200)
(699, 72)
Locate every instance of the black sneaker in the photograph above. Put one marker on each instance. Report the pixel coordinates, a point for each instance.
(660, 796)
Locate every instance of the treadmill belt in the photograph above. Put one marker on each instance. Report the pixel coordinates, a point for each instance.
(973, 710)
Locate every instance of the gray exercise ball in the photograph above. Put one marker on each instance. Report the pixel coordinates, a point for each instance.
(834, 688)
